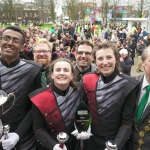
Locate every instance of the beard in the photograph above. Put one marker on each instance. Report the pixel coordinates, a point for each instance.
(44, 62)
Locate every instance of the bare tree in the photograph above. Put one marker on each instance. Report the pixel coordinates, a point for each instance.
(105, 8)
(113, 6)
(129, 9)
(52, 4)
(9, 10)
(141, 6)
(1, 10)
(74, 9)
(47, 8)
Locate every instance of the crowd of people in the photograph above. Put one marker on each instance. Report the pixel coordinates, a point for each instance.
(52, 71)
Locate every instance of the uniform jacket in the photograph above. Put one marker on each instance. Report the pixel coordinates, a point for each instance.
(20, 77)
(126, 65)
(112, 105)
(56, 112)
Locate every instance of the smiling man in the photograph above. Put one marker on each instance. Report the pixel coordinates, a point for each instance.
(20, 77)
(84, 59)
(42, 54)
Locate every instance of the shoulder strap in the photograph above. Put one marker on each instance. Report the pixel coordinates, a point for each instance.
(32, 62)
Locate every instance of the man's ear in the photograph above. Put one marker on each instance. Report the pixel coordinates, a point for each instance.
(22, 48)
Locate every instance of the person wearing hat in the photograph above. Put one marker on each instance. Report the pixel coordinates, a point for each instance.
(126, 61)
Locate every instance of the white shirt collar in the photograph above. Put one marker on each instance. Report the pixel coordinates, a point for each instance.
(145, 83)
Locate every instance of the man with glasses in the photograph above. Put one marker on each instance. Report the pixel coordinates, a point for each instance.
(19, 77)
(42, 54)
(84, 59)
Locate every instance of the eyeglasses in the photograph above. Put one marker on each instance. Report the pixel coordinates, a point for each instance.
(86, 53)
(8, 39)
(42, 51)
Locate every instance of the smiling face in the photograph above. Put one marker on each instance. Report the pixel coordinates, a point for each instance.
(42, 54)
(105, 61)
(9, 49)
(84, 60)
(62, 75)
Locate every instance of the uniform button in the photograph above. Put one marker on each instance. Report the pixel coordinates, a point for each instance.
(47, 85)
(52, 130)
(50, 123)
(45, 114)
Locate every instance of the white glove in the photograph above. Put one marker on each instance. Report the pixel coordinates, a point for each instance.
(10, 142)
(75, 132)
(56, 147)
(82, 135)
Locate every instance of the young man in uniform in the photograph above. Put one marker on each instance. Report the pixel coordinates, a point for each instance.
(20, 77)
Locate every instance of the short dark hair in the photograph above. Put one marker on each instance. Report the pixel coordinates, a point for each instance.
(14, 28)
(84, 42)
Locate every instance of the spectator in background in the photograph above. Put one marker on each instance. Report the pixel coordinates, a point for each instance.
(135, 35)
(88, 34)
(126, 62)
(148, 40)
(141, 38)
(71, 41)
(144, 32)
(106, 35)
(52, 30)
(114, 38)
(60, 30)
(92, 29)
(119, 45)
(61, 47)
(71, 30)
(57, 52)
(122, 36)
(132, 48)
(103, 32)
(139, 30)
(64, 40)
(68, 53)
(140, 48)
